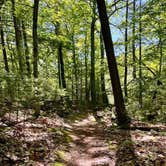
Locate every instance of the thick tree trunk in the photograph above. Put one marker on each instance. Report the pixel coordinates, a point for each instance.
(126, 52)
(35, 52)
(133, 41)
(18, 37)
(122, 117)
(35, 39)
(102, 75)
(26, 50)
(57, 31)
(61, 70)
(4, 49)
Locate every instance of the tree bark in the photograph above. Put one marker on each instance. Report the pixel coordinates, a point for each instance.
(140, 55)
(133, 41)
(161, 55)
(102, 75)
(57, 31)
(26, 50)
(92, 76)
(4, 48)
(86, 71)
(81, 84)
(18, 37)
(75, 71)
(59, 72)
(60, 53)
(35, 39)
(126, 52)
(122, 117)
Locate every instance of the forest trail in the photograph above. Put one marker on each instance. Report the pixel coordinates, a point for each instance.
(79, 140)
(88, 146)
(96, 144)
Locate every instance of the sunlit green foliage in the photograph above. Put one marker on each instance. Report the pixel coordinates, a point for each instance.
(74, 19)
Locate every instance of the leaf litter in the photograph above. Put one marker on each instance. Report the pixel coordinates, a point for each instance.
(54, 141)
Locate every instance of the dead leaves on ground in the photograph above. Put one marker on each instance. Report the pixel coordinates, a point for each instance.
(31, 142)
(35, 142)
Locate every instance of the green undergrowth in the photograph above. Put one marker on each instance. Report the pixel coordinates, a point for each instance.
(61, 135)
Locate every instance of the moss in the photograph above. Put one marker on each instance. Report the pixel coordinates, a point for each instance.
(127, 143)
(68, 139)
(112, 145)
(58, 164)
(60, 154)
(162, 133)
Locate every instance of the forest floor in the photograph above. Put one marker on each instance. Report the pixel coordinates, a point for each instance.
(79, 140)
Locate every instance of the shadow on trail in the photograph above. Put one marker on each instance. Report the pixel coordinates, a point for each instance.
(125, 154)
(88, 147)
(95, 145)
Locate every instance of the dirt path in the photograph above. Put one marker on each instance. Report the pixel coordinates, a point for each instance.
(53, 141)
(94, 145)
(88, 146)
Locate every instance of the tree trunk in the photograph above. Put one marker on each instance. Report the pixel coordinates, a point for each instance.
(35, 52)
(59, 71)
(81, 84)
(126, 52)
(60, 54)
(133, 41)
(57, 31)
(122, 117)
(86, 71)
(75, 72)
(102, 75)
(161, 55)
(140, 56)
(18, 37)
(4, 49)
(72, 87)
(35, 39)
(92, 76)
(26, 50)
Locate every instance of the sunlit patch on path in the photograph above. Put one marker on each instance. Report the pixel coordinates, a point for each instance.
(88, 147)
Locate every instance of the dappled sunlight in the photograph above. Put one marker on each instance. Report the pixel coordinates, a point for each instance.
(84, 142)
(82, 83)
(89, 147)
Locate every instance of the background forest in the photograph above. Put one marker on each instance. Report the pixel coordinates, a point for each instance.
(54, 50)
(74, 94)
